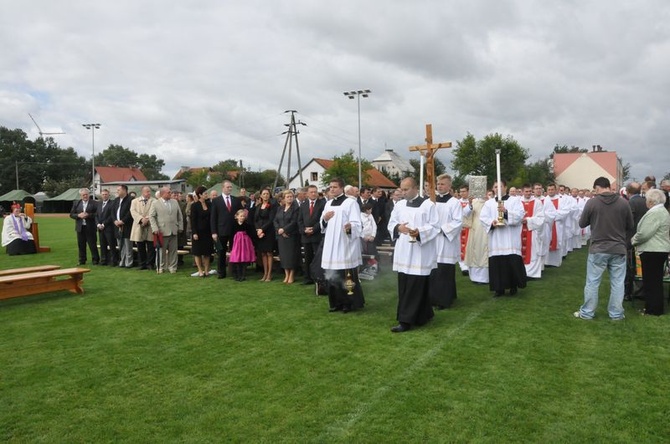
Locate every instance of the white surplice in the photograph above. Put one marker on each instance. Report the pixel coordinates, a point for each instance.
(420, 257)
(341, 250)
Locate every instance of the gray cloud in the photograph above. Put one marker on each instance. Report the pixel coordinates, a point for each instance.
(198, 82)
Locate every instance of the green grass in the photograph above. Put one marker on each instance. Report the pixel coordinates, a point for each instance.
(147, 358)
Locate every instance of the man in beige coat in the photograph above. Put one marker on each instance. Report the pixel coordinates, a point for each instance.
(140, 210)
(166, 220)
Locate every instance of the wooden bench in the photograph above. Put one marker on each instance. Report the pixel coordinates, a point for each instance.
(26, 284)
(12, 271)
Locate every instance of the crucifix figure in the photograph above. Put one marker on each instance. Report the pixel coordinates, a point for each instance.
(429, 150)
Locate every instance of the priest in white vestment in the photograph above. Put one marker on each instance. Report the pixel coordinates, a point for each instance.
(464, 194)
(414, 226)
(554, 257)
(531, 233)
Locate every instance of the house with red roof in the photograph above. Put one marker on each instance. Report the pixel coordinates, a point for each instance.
(106, 174)
(581, 169)
(312, 174)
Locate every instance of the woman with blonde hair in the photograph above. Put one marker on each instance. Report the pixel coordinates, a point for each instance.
(288, 235)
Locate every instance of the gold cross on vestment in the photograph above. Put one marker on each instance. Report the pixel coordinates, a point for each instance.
(429, 150)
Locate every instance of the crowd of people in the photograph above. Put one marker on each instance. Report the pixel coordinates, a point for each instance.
(332, 237)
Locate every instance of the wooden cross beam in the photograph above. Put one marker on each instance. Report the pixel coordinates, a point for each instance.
(429, 150)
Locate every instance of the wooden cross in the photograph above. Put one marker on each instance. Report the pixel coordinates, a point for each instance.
(428, 150)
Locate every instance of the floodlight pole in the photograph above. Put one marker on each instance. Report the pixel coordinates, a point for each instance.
(351, 95)
(92, 127)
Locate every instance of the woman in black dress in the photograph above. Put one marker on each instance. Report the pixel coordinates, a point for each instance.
(263, 222)
(288, 235)
(202, 245)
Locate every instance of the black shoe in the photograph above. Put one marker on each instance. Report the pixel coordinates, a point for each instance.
(81, 263)
(308, 282)
(441, 307)
(221, 276)
(466, 273)
(103, 263)
(334, 309)
(513, 291)
(499, 294)
(96, 262)
(346, 309)
(400, 328)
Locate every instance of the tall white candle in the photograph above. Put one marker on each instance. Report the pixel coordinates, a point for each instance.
(499, 181)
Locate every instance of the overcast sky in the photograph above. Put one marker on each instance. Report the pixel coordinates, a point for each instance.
(196, 82)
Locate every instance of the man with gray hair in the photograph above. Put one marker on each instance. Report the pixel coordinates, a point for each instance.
(140, 210)
(166, 222)
(83, 212)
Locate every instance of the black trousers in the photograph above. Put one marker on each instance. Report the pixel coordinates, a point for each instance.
(309, 249)
(87, 237)
(227, 243)
(652, 279)
(146, 254)
(108, 253)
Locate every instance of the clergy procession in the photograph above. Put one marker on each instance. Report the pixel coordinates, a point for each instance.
(497, 237)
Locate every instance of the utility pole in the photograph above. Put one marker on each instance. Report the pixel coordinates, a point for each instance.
(291, 133)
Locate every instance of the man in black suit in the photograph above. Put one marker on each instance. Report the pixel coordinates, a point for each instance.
(123, 222)
(84, 211)
(309, 216)
(223, 210)
(105, 224)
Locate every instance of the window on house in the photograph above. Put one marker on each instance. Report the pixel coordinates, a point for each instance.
(314, 177)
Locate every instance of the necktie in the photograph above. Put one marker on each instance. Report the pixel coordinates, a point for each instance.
(311, 207)
(228, 202)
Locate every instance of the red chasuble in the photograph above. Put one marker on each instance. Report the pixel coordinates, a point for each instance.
(526, 234)
(464, 235)
(553, 245)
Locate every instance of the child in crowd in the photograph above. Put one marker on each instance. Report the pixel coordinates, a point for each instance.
(243, 251)
(368, 249)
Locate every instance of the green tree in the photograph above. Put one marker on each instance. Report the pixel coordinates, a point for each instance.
(226, 166)
(540, 171)
(346, 168)
(37, 162)
(439, 168)
(395, 177)
(119, 156)
(562, 149)
(626, 169)
(478, 158)
(257, 180)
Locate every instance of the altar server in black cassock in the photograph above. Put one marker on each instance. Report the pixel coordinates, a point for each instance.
(414, 226)
(341, 226)
(448, 245)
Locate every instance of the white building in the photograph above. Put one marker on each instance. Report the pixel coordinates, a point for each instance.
(393, 164)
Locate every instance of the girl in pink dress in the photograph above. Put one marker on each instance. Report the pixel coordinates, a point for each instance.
(243, 251)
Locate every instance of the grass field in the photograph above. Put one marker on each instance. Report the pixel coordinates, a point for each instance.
(147, 358)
